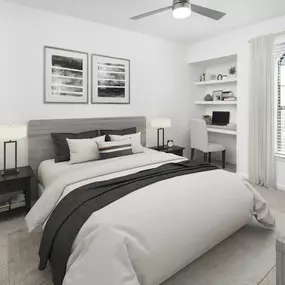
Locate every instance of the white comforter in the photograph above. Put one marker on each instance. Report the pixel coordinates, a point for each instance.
(147, 236)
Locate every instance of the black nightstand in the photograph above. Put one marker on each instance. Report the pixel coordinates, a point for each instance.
(18, 182)
(177, 150)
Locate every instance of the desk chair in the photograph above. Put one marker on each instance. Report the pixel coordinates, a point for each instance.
(199, 140)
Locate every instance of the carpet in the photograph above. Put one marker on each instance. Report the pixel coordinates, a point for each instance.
(245, 258)
(23, 259)
(270, 278)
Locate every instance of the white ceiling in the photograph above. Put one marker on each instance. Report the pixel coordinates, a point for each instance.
(117, 13)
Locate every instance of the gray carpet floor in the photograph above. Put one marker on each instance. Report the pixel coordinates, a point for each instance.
(15, 243)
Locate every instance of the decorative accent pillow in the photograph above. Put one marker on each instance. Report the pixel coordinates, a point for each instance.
(136, 141)
(122, 132)
(115, 148)
(61, 146)
(84, 150)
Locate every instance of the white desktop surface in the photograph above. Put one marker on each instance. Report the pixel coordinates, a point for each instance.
(228, 130)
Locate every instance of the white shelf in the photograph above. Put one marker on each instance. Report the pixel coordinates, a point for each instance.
(213, 82)
(216, 102)
(226, 131)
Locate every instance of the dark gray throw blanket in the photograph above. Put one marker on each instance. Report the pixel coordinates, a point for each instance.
(74, 210)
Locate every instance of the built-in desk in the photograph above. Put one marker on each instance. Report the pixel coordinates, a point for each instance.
(222, 130)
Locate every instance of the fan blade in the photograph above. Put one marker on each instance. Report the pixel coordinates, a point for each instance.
(213, 14)
(151, 13)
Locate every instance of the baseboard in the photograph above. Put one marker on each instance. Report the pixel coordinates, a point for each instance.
(242, 175)
(245, 176)
(280, 187)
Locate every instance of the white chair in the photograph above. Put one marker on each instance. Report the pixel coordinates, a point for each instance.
(199, 140)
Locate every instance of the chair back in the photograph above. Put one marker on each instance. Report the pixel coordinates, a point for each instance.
(199, 135)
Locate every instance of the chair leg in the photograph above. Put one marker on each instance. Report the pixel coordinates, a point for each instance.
(205, 157)
(210, 157)
(224, 159)
(192, 153)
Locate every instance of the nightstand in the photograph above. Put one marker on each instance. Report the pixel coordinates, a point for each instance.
(17, 183)
(177, 150)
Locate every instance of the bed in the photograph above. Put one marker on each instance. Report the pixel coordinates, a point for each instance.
(145, 236)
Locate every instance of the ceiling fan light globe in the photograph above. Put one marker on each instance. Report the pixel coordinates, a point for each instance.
(181, 10)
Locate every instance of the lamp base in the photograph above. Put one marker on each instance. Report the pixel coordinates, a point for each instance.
(8, 172)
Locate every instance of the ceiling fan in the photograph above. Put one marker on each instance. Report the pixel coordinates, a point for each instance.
(182, 9)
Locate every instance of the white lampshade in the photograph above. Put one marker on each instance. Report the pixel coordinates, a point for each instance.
(161, 123)
(12, 132)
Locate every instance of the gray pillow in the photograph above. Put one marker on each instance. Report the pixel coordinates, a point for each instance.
(61, 147)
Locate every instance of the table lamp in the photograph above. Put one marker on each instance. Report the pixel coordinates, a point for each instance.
(160, 124)
(10, 134)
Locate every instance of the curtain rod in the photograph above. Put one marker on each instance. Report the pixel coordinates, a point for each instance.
(276, 34)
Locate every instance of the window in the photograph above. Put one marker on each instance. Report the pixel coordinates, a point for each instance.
(280, 143)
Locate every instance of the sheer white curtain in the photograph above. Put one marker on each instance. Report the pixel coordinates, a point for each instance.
(262, 115)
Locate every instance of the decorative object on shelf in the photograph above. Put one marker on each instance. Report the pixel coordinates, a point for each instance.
(66, 76)
(232, 71)
(217, 95)
(220, 77)
(207, 119)
(225, 77)
(110, 80)
(209, 76)
(10, 134)
(208, 97)
(170, 143)
(203, 77)
(213, 77)
(228, 96)
(160, 124)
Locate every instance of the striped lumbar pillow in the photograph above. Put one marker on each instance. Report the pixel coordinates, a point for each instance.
(115, 148)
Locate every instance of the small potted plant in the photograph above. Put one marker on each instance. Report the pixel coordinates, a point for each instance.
(233, 71)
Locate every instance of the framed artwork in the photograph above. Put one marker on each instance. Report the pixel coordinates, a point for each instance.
(110, 80)
(228, 96)
(217, 95)
(65, 76)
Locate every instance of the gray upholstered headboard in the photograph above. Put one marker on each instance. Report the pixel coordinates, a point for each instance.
(40, 143)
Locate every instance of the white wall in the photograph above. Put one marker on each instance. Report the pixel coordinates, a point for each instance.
(236, 42)
(159, 72)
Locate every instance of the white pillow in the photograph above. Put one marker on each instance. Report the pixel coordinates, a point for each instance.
(82, 150)
(136, 141)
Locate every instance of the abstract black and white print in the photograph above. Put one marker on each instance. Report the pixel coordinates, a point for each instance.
(110, 80)
(65, 77)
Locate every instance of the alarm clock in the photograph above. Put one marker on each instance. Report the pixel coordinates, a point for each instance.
(170, 143)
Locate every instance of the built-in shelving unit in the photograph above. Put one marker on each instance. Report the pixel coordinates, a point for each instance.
(216, 102)
(227, 136)
(213, 82)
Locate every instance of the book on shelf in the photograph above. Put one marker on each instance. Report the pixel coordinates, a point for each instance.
(230, 99)
(17, 201)
(12, 202)
(4, 206)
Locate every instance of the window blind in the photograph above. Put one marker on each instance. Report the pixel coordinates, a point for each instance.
(280, 97)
